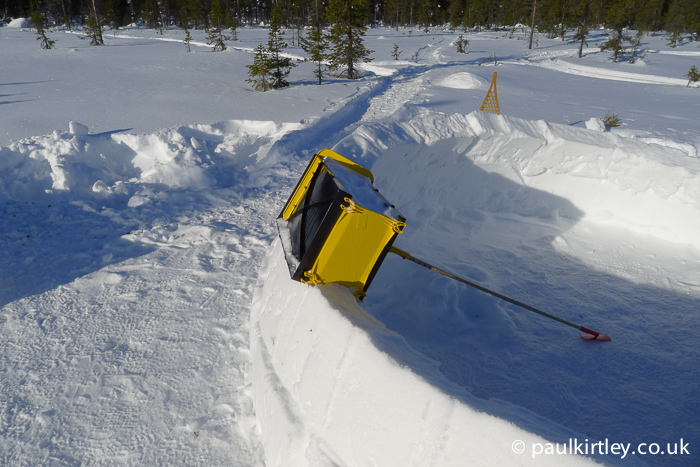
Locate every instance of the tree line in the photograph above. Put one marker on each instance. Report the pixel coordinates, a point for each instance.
(334, 41)
(554, 17)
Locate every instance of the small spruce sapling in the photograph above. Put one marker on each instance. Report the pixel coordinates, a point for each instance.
(612, 120)
(395, 52)
(188, 39)
(462, 43)
(693, 75)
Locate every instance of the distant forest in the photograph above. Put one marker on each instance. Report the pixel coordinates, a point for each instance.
(675, 17)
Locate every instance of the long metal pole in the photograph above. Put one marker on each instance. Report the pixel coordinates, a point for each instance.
(589, 333)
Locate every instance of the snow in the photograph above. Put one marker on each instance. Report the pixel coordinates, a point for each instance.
(462, 81)
(361, 189)
(146, 312)
(335, 398)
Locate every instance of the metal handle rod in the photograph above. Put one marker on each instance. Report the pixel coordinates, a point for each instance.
(408, 256)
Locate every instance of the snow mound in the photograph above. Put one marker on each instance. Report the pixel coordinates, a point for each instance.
(650, 187)
(19, 23)
(462, 80)
(324, 394)
(127, 167)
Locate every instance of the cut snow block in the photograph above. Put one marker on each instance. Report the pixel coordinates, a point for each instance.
(336, 227)
(77, 129)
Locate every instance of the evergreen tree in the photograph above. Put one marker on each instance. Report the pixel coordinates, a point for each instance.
(674, 23)
(347, 18)
(615, 45)
(259, 71)
(636, 42)
(188, 39)
(395, 52)
(693, 75)
(234, 28)
(461, 43)
(116, 13)
(394, 10)
(93, 31)
(218, 20)
(456, 13)
(582, 12)
(151, 14)
(316, 47)
(532, 23)
(37, 21)
(280, 66)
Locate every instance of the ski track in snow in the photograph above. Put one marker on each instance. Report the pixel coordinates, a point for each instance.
(557, 62)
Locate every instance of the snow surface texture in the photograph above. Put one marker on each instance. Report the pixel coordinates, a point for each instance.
(130, 257)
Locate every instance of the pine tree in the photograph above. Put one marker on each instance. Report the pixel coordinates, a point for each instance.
(280, 66)
(316, 47)
(218, 21)
(259, 71)
(188, 39)
(462, 43)
(674, 23)
(636, 42)
(348, 28)
(116, 13)
(693, 75)
(151, 14)
(395, 52)
(93, 31)
(532, 23)
(618, 16)
(615, 45)
(582, 11)
(37, 21)
(456, 14)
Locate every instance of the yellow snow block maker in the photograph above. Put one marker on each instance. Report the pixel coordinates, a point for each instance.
(336, 227)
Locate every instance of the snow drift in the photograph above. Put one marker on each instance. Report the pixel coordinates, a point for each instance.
(648, 186)
(324, 394)
(124, 167)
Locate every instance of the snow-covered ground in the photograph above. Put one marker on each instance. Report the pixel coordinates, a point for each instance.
(146, 318)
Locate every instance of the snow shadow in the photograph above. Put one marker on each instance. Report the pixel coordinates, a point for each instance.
(43, 245)
(640, 388)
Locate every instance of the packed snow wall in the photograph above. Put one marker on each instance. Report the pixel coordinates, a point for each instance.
(647, 185)
(325, 394)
